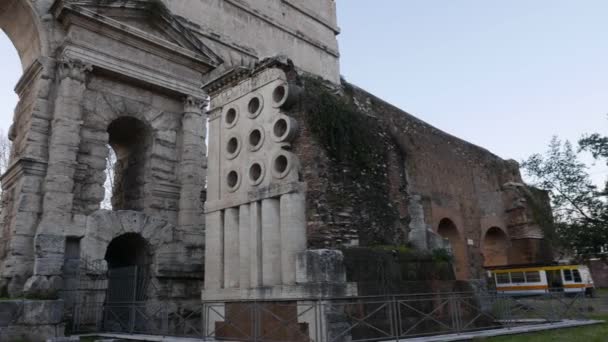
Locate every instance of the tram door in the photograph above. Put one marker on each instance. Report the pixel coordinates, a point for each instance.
(554, 281)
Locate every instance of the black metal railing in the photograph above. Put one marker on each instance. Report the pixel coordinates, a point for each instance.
(385, 318)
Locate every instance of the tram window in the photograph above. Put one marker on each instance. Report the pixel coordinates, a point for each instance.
(502, 278)
(518, 277)
(577, 276)
(567, 275)
(532, 277)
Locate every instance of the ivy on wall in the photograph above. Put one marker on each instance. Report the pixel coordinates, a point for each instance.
(357, 147)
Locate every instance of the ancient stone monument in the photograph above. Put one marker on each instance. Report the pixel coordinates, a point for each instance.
(261, 212)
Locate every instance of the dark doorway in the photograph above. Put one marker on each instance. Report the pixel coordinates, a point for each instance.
(128, 279)
(128, 269)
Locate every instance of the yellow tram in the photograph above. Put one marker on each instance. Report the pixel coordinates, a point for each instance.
(534, 280)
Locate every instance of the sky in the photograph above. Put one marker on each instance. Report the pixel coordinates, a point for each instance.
(505, 75)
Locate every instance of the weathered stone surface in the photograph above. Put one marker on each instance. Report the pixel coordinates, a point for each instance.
(42, 312)
(9, 312)
(321, 266)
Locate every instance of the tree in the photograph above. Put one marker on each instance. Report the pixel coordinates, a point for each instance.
(5, 156)
(109, 183)
(597, 145)
(5, 152)
(579, 209)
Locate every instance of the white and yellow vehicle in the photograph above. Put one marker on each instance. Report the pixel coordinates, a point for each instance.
(524, 281)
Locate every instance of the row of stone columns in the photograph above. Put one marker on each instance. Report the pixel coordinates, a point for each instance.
(256, 244)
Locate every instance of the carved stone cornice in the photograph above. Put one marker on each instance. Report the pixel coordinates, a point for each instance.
(73, 68)
(23, 166)
(29, 75)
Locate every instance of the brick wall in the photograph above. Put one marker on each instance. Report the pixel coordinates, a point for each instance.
(452, 179)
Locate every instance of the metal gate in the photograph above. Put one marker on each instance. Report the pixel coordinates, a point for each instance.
(127, 291)
(108, 300)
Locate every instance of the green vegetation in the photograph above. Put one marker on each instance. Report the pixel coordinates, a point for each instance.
(88, 339)
(593, 333)
(394, 269)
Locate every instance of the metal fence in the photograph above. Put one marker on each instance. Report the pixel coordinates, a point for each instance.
(386, 318)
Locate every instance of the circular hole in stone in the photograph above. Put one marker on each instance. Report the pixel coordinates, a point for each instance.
(255, 137)
(254, 105)
(279, 93)
(280, 128)
(255, 172)
(280, 164)
(231, 116)
(233, 179)
(233, 145)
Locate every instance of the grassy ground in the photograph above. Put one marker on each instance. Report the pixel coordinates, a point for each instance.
(594, 333)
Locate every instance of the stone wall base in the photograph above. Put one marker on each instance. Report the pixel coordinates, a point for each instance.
(31, 333)
(30, 320)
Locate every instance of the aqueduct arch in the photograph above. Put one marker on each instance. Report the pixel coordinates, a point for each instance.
(449, 231)
(495, 247)
(19, 21)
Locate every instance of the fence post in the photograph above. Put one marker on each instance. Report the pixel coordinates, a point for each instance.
(393, 308)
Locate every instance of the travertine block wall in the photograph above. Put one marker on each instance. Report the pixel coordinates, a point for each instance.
(255, 200)
(244, 30)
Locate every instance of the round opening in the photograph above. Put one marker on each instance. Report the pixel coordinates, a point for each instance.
(280, 128)
(231, 116)
(255, 173)
(233, 179)
(279, 93)
(280, 164)
(233, 145)
(254, 105)
(255, 137)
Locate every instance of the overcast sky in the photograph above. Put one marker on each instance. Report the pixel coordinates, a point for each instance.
(506, 75)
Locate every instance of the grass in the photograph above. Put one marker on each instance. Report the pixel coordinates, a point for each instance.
(88, 339)
(593, 333)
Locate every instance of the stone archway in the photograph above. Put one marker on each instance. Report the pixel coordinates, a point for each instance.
(21, 24)
(19, 21)
(495, 248)
(448, 230)
(104, 227)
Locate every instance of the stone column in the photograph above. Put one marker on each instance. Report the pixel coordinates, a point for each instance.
(214, 251)
(58, 188)
(64, 143)
(271, 242)
(255, 244)
(231, 248)
(244, 243)
(293, 233)
(192, 166)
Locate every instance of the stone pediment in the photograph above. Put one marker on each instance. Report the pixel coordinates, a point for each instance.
(146, 19)
(139, 39)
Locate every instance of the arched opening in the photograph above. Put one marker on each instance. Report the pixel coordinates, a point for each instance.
(448, 230)
(20, 46)
(128, 258)
(495, 247)
(11, 72)
(18, 20)
(130, 140)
